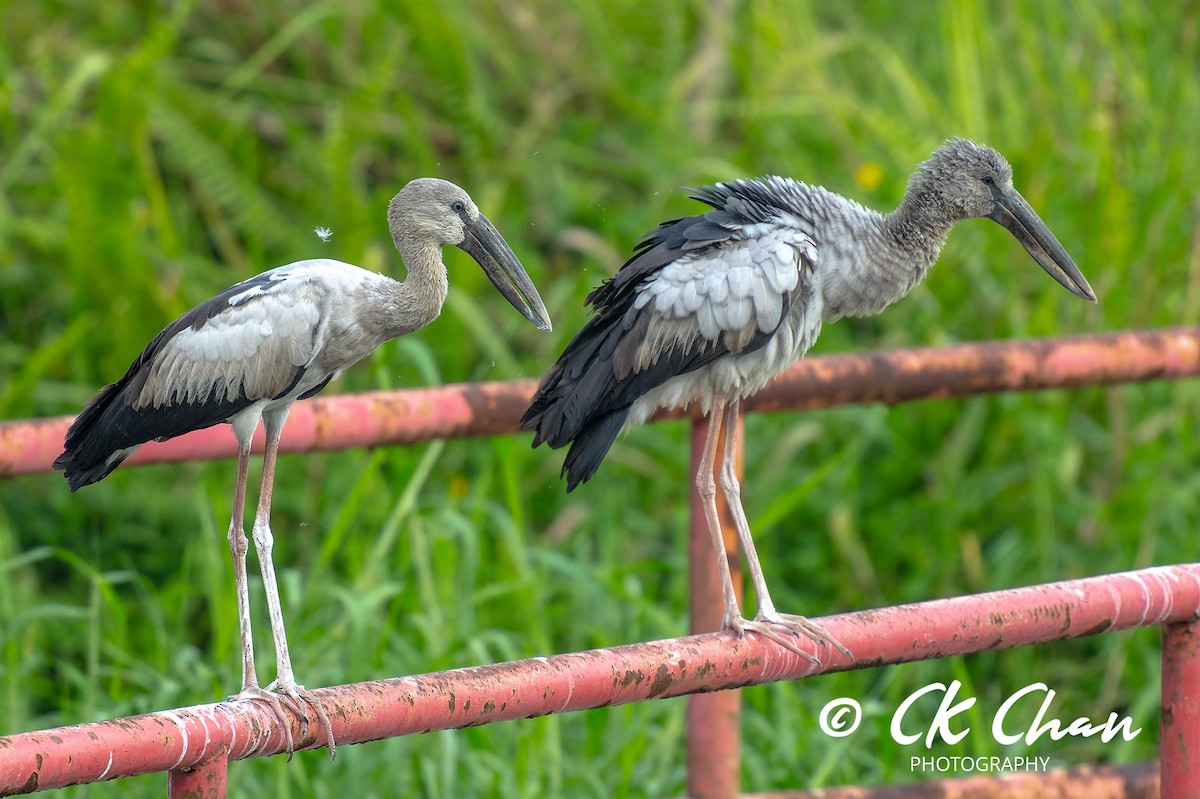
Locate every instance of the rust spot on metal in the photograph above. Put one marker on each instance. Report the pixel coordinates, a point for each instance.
(631, 678)
(662, 681)
(998, 642)
(1098, 628)
(494, 408)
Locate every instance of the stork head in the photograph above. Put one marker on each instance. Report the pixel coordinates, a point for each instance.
(429, 210)
(965, 180)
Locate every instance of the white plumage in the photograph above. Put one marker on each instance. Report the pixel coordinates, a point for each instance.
(244, 356)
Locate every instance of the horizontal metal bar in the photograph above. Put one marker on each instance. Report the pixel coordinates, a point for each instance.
(484, 409)
(370, 711)
(323, 423)
(903, 375)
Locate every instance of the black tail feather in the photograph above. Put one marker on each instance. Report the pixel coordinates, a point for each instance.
(591, 445)
(79, 475)
(108, 430)
(82, 461)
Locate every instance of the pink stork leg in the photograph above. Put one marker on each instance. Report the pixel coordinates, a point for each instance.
(285, 681)
(706, 487)
(769, 623)
(238, 546)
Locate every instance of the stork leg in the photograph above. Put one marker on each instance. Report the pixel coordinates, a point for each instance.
(285, 681)
(238, 545)
(769, 622)
(706, 486)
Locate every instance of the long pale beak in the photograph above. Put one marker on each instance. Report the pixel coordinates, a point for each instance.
(485, 244)
(1015, 214)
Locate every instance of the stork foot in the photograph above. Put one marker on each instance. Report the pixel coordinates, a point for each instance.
(298, 694)
(784, 629)
(802, 626)
(276, 701)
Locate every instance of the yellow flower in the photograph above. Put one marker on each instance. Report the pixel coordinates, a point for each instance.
(459, 487)
(869, 175)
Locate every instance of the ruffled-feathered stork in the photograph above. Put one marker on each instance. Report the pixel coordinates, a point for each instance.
(710, 307)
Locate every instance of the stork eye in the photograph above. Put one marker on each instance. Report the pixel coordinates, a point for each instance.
(989, 180)
(457, 206)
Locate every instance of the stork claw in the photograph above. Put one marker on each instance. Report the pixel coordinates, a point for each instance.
(801, 625)
(252, 693)
(295, 697)
(297, 694)
(784, 629)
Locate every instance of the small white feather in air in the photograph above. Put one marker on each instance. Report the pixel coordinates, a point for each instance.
(323, 233)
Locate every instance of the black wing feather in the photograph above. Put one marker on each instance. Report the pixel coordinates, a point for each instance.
(109, 423)
(581, 400)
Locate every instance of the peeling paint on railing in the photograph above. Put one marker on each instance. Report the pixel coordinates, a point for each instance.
(369, 711)
(484, 409)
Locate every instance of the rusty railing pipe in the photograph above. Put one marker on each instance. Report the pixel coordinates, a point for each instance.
(1179, 720)
(484, 409)
(184, 738)
(208, 779)
(714, 732)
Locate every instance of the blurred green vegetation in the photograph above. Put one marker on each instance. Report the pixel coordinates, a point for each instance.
(153, 153)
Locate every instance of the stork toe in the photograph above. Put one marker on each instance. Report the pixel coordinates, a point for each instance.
(276, 701)
(298, 694)
(781, 634)
(801, 625)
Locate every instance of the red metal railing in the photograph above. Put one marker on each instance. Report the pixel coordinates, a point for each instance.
(487, 409)
(189, 738)
(171, 741)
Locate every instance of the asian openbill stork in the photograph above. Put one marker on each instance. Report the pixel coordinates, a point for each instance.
(710, 307)
(251, 351)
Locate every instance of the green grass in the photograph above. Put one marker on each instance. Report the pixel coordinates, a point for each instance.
(149, 159)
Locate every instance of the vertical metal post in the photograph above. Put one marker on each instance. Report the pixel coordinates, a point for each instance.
(206, 780)
(1179, 723)
(713, 720)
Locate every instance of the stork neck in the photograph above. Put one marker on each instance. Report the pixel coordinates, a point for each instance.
(879, 258)
(417, 300)
(917, 228)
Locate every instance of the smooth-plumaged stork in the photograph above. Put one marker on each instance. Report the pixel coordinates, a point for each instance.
(248, 353)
